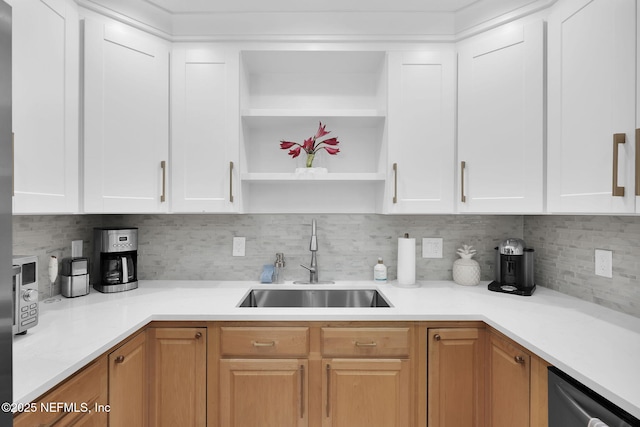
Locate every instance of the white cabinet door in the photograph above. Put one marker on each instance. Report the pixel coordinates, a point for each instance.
(45, 106)
(126, 120)
(591, 98)
(500, 120)
(421, 130)
(205, 130)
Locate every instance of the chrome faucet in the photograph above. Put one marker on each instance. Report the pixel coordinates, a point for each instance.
(313, 267)
(313, 247)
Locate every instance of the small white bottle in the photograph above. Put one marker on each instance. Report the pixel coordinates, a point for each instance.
(380, 272)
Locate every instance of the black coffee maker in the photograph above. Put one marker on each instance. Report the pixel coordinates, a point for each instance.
(116, 255)
(514, 268)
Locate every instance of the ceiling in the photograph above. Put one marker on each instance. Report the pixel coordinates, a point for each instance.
(233, 6)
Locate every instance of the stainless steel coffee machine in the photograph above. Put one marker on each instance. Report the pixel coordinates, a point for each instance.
(514, 268)
(115, 257)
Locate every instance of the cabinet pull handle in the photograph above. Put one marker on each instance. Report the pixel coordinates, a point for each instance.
(366, 344)
(119, 359)
(231, 182)
(437, 337)
(618, 138)
(13, 164)
(163, 166)
(328, 370)
(638, 162)
(198, 335)
(463, 165)
(301, 391)
(519, 360)
(395, 183)
(263, 344)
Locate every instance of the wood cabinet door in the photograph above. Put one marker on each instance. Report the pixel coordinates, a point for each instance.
(500, 120)
(128, 384)
(45, 106)
(205, 136)
(126, 119)
(455, 377)
(420, 172)
(79, 401)
(263, 392)
(509, 378)
(178, 380)
(366, 393)
(591, 99)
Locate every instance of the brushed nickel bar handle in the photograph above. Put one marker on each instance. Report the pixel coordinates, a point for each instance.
(638, 162)
(13, 164)
(163, 196)
(618, 138)
(366, 344)
(395, 183)
(463, 165)
(328, 369)
(301, 391)
(231, 182)
(263, 344)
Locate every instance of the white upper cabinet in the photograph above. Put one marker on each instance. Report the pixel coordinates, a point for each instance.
(126, 120)
(420, 168)
(45, 106)
(205, 130)
(500, 120)
(592, 106)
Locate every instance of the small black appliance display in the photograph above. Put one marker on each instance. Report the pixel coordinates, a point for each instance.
(116, 256)
(514, 268)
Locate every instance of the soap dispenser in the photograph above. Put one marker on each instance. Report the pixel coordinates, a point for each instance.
(380, 272)
(278, 271)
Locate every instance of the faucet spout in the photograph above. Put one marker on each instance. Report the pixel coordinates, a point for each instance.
(313, 266)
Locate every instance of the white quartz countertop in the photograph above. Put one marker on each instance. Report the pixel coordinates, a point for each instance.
(597, 346)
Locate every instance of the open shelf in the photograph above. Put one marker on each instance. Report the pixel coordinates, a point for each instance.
(282, 177)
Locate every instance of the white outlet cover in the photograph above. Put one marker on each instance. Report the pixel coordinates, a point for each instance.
(238, 246)
(604, 263)
(432, 247)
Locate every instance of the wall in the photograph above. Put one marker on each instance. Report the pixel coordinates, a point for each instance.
(565, 247)
(199, 246)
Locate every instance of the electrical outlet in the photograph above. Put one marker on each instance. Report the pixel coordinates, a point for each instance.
(432, 247)
(238, 246)
(604, 263)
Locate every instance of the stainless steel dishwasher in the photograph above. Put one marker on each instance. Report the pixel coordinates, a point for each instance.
(572, 404)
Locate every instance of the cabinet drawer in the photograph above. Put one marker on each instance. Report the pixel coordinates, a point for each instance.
(365, 341)
(264, 341)
(69, 403)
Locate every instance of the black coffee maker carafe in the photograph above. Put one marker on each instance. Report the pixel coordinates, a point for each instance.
(116, 254)
(513, 268)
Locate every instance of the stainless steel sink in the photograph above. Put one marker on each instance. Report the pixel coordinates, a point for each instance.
(314, 298)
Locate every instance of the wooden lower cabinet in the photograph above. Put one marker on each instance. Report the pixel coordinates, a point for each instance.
(81, 401)
(178, 376)
(455, 377)
(366, 393)
(128, 383)
(509, 373)
(264, 392)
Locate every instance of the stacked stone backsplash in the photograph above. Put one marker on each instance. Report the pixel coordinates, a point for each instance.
(198, 247)
(195, 247)
(565, 257)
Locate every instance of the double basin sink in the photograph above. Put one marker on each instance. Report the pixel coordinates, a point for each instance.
(349, 298)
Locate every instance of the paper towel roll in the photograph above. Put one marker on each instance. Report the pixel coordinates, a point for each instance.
(406, 261)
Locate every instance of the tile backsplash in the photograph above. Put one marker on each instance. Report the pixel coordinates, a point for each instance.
(195, 247)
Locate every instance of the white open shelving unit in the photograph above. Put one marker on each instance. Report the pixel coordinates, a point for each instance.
(283, 96)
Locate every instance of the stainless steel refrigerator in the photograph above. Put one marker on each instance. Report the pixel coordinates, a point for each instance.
(6, 190)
